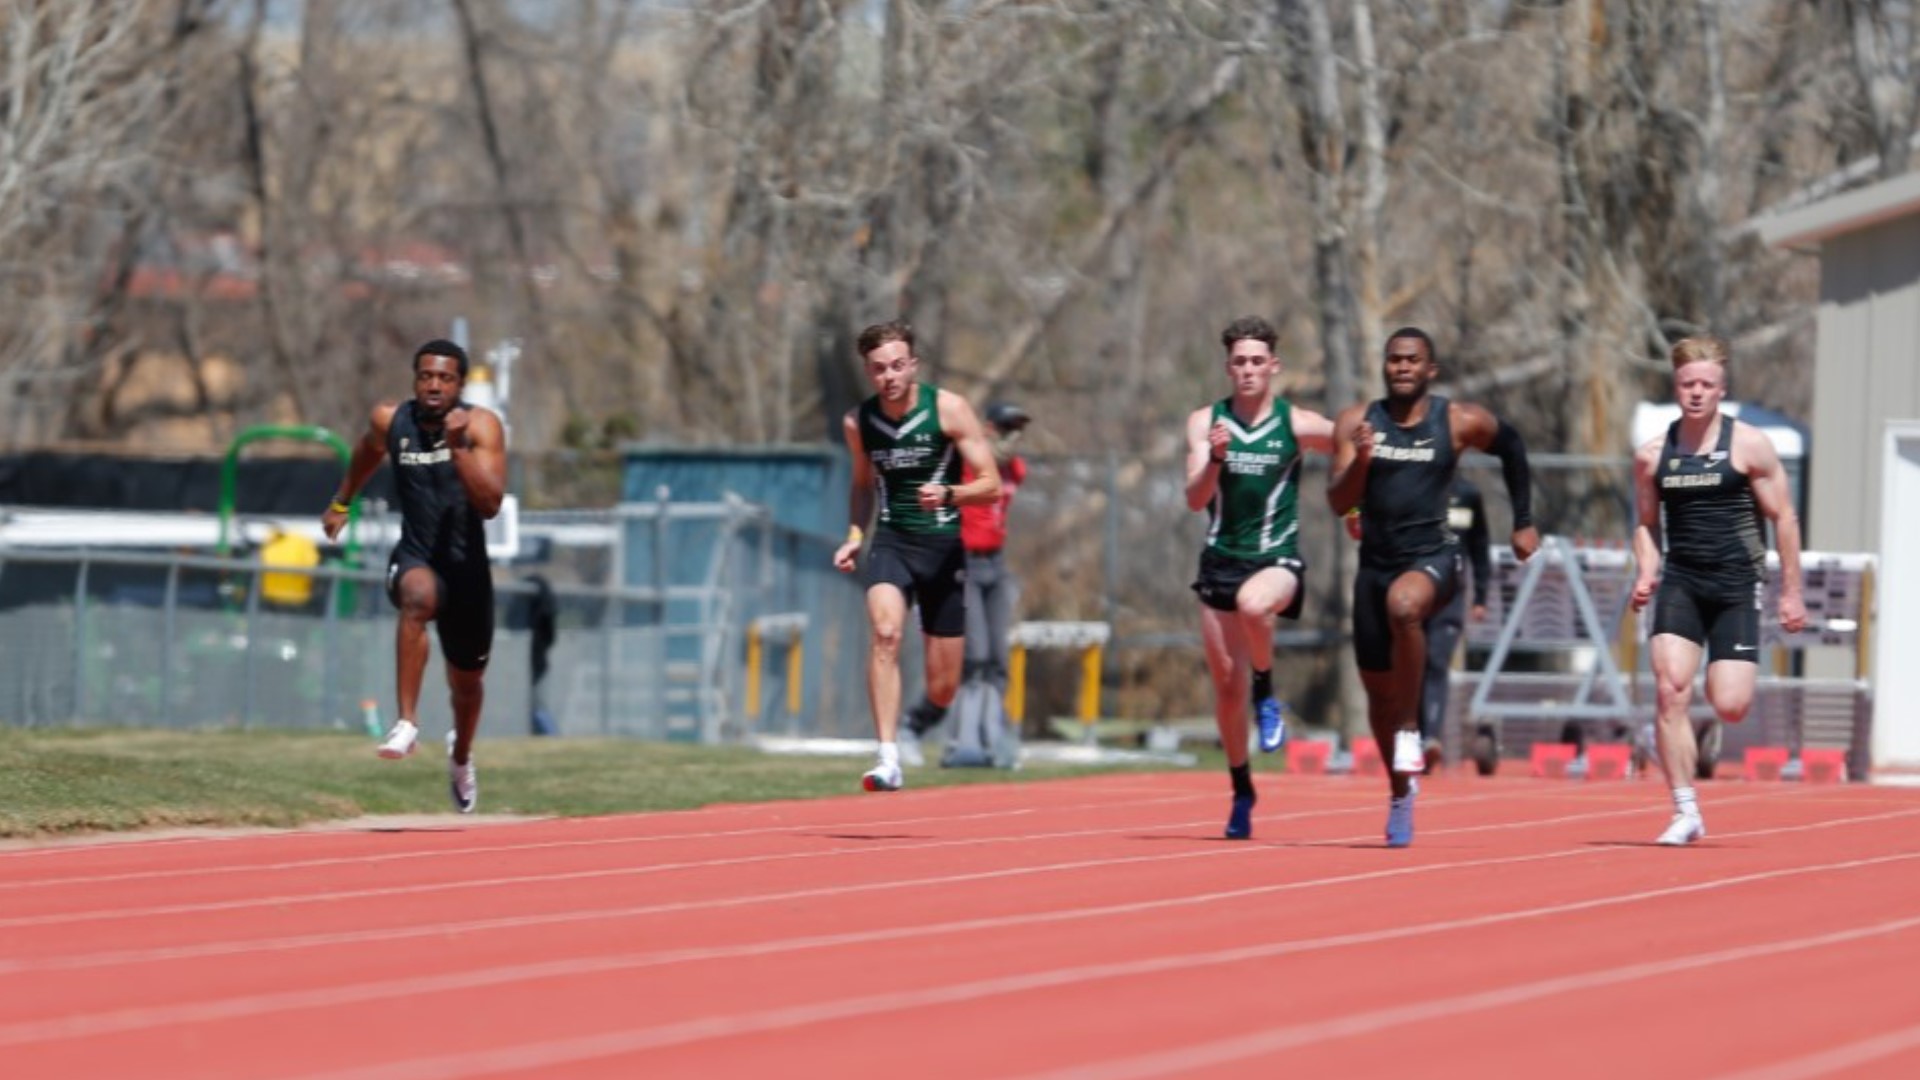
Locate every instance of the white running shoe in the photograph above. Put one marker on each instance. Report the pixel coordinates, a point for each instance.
(400, 740)
(1682, 830)
(463, 783)
(1409, 756)
(884, 776)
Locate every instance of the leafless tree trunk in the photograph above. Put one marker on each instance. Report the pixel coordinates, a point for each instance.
(1886, 53)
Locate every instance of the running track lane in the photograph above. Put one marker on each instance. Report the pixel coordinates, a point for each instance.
(1087, 928)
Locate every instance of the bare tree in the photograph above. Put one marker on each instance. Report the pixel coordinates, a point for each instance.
(1886, 53)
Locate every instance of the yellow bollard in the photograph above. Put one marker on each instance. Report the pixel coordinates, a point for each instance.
(1017, 684)
(754, 651)
(796, 669)
(1089, 686)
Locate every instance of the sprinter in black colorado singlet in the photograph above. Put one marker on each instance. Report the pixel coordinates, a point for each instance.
(1701, 490)
(1405, 509)
(1393, 464)
(450, 470)
(1716, 549)
(441, 531)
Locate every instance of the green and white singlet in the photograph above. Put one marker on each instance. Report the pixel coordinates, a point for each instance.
(906, 454)
(1254, 514)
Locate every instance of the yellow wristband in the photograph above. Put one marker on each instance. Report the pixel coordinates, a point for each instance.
(339, 507)
(854, 535)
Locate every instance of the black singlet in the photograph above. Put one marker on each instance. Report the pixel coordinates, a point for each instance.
(1409, 479)
(1709, 515)
(438, 524)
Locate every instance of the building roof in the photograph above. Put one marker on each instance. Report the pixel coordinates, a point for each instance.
(1807, 226)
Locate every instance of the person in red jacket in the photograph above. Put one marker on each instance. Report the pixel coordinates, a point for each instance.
(991, 590)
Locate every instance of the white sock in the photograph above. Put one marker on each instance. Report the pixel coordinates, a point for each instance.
(889, 753)
(1685, 803)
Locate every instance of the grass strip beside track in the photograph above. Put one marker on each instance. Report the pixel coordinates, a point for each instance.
(57, 782)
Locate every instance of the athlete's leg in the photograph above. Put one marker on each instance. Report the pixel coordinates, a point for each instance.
(1411, 600)
(469, 694)
(418, 594)
(1226, 648)
(886, 615)
(1730, 686)
(1260, 598)
(1675, 661)
(976, 592)
(1225, 641)
(1733, 657)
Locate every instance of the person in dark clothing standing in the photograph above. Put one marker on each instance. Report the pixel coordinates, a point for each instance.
(1708, 484)
(1467, 519)
(991, 590)
(450, 471)
(1395, 459)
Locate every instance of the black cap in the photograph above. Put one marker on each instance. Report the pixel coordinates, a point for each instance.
(1007, 417)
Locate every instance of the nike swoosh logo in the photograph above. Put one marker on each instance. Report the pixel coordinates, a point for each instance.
(1743, 648)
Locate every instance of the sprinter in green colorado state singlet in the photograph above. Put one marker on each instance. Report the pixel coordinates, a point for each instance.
(906, 455)
(909, 443)
(1243, 468)
(1255, 509)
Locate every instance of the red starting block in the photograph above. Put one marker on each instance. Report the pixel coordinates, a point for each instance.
(1765, 762)
(1550, 759)
(1308, 758)
(1823, 766)
(1366, 758)
(1609, 761)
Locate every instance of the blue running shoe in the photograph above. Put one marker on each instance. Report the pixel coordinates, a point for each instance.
(1400, 818)
(1240, 822)
(1273, 724)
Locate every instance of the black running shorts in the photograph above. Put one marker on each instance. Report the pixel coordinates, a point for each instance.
(1727, 623)
(1372, 632)
(930, 570)
(463, 610)
(1220, 577)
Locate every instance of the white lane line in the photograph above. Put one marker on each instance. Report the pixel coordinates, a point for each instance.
(550, 845)
(286, 899)
(122, 1020)
(1241, 1048)
(9, 966)
(554, 1053)
(446, 929)
(1834, 1059)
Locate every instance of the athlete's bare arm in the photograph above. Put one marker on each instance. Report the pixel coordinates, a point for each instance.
(958, 420)
(1207, 444)
(368, 453)
(1352, 453)
(1312, 431)
(1646, 529)
(479, 445)
(859, 496)
(1479, 428)
(1754, 455)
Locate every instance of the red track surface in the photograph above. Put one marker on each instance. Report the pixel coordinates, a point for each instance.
(1090, 928)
